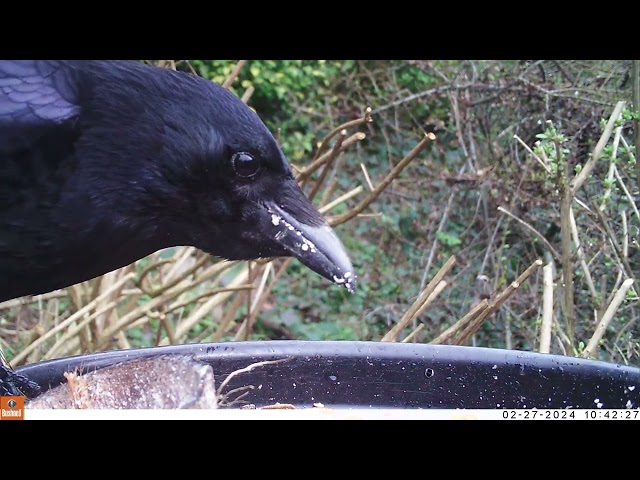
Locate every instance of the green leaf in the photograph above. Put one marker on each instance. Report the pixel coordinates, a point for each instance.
(448, 239)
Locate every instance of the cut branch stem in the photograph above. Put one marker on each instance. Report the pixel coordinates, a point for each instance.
(547, 309)
(392, 334)
(618, 298)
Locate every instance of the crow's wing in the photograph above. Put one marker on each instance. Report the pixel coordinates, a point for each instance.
(35, 96)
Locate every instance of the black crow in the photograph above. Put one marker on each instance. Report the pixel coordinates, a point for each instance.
(105, 162)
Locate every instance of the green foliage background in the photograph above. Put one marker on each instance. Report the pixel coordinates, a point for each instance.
(446, 202)
(302, 100)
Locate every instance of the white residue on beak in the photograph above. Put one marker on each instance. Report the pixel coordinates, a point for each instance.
(306, 245)
(346, 280)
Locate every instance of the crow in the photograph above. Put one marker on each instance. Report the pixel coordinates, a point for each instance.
(104, 162)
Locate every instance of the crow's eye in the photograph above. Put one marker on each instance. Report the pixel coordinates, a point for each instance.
(245, 164)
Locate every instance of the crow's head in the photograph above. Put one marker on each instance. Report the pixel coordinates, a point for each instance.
(216, 178)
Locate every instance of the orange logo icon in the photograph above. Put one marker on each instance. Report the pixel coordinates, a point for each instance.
(11, 408)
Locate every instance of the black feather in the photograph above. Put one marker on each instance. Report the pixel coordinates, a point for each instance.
(104, 162)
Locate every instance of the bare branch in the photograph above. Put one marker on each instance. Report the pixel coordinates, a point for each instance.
(429, 137)
(413, 334)
(422, 298)
(590, 349)
(547, 309)
(497, 302)
(234, 74)
(366, 118)
(460, 324)
(534, 231)
(526, 147)
(579, 180)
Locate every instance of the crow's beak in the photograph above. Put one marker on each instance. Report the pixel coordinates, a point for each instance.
(298, 227)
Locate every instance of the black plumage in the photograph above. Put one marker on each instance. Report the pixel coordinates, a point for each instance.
(104, 162)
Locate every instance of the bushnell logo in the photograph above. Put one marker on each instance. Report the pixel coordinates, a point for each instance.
(11, 408)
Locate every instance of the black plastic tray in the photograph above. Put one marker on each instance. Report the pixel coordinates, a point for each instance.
(390, 375)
